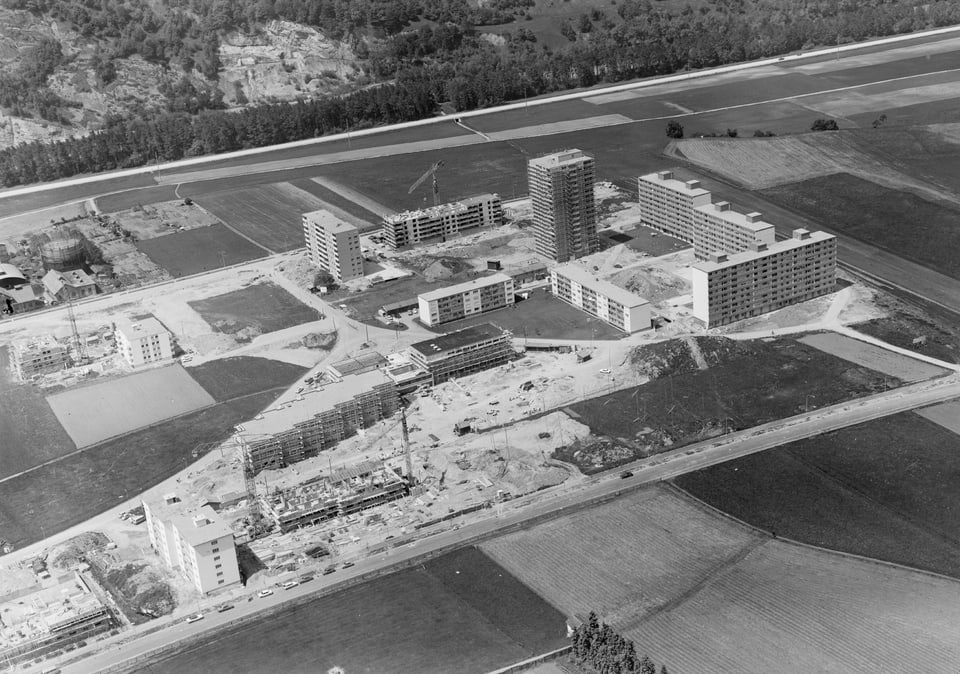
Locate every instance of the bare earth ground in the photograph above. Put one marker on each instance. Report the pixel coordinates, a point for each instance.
(873, 357)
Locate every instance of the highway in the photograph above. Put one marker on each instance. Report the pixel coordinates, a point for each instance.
(128, 653)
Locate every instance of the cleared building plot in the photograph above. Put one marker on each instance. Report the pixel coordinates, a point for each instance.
(256, 309)
(894, 364)
(94, 413)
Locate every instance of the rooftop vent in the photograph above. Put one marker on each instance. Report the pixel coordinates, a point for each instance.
(753, 217)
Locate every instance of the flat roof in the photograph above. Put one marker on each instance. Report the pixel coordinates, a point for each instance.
(563, 158)
(329, 221)
(201, 528)
(675, 184)
(735, 217)
(772, 249)
(363, 361)
(482, 282)
(137, 329)
(315, 401)
(454, 340)
(441, 209)
(616, 293)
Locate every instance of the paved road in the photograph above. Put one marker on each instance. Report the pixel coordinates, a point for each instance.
(523, 510)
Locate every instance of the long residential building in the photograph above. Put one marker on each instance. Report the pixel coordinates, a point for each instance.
(611, 304)
(461, 353)
(443, 221)
(721, 229)
(317, 420)
(667, 204)
(466, 299)
(333, 245)
(194, 542)
(564, 211)
(729, 288)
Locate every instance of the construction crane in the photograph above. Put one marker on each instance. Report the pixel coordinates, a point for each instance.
(79, 345)
(430, 173)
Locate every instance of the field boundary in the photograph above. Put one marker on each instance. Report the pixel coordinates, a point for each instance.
(533, 662)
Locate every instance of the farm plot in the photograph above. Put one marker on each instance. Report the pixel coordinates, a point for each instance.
(627, 557)
(91, 414)
(945, 414)
(199, 250)
(254, 310)
(884, 489)
(896, 221)
(238, 376)
(873, 357)
(269, 214)
(425, 619)
(786, 608)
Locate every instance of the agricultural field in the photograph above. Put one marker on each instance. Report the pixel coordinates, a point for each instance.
(132, 198)
(57, 496)
(268, 214)
(91, 414)
(745, 384)
(238, 376)
(254, 310)
(459, 612)
(198, 250)
(908, 319)
(904, 368)
(884, 489)
(331, 198)
(29, 431)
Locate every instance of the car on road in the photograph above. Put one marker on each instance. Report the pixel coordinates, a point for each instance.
(289, 585)
(330, 569)
(221, 608)
(625, 474)
(306, 578)
(604, 371)
(347, 565)
(264, 593)
(194, 618)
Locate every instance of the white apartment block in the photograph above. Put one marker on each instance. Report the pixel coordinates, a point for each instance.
(720, 229)
(199, 545)
(143, 342)
(729, 288)
(564, 210)
(333, 245)
(442, 222)
(466, 299)
(611, 304)
(667, 203)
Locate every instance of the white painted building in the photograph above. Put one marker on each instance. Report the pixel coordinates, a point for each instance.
(666, 203)
(143, 342)
(564, 209)
(611, 304)
(466, 299)
(718, 228)
(333, 245)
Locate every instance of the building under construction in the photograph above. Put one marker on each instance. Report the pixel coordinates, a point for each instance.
(42, 355)
(442, 222)
(340, 494)
(464, 352)
(317, 420)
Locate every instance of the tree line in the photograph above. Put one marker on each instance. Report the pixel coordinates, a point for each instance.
(598, 647)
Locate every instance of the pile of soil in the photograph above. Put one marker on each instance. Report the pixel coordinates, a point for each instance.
(674, 357)
(76, 550)
(139, 590)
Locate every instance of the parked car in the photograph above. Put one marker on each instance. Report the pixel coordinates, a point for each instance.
(221, 608)
(289, 585)
(347, 565)
(264, 593)
(306, 578)
(604, 371)
(330, 569)
(194, 618)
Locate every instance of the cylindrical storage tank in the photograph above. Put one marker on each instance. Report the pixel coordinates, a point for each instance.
(62, 254)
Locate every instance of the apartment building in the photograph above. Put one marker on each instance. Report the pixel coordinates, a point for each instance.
(466, 299)
(611, 304)
(464, 352)
(564, 211)
(41, 355)
(143, 342)
(194, 542)
(443, 221)
(667, 204)
(719, 228)
(729, 288)
(333, 245)
(317, 420)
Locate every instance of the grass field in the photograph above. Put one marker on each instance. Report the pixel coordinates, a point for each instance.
(55, 497)
(268, 214)
(264, 307)
(873, 357)
(426, 619)
(228, 378)
(642, 238)
(884, 489)
(899, 222)
(29, 431)
(197, 250)
(91, 414)
(747, 384)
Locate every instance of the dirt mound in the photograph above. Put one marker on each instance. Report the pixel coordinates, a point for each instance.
(77, 549)
(674, 356)
(139, 590)
(319, 340)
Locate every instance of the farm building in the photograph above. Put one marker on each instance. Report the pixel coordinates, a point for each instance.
(343, 493)
(193, 541)
(460, 353)
(317, 420)
(442, 222)
(63, 286)
(143, 342)
(452, 303)
(42, 355)
(49, 619)
(611, 304)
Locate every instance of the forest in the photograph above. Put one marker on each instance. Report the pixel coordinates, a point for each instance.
(424, 53)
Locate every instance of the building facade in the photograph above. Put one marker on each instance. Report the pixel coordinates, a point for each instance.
(443, 221)
(461, 353)
(611, 304)
(64, 286)
(20, 299)
(729, 288)
(143, 342)
(42, 355)
(564, 211)
(466, 299)
(196, 543)
(333, 245)
(721, 229)
(667, 204)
